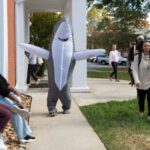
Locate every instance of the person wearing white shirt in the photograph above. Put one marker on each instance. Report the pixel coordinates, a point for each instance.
(141, 74)
(31, 67)
(113, 60)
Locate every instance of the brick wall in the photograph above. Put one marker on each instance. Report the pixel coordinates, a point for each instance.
(11, 43)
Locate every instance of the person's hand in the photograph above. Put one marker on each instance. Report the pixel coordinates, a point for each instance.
(17, 92)
(137, 85)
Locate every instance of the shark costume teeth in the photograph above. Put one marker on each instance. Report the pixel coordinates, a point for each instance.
(61, 61)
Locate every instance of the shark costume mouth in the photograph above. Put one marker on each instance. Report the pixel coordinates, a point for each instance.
(63, 40)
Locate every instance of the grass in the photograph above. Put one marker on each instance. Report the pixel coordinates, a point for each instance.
(105, 72)
(119, 125)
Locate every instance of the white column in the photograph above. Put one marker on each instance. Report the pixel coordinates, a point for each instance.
(20, 37)
(3, 38)
(78, 20)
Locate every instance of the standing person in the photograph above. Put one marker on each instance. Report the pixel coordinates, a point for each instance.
(31, 67)
(9, 97)
(113, 60)
(130, 60)
(141, 73)
(134, 49)
(5, 115)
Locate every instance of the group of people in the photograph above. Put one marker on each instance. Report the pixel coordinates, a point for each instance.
(138, 69)
(11, 108)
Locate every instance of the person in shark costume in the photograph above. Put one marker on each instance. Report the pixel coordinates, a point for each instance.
(61, 61)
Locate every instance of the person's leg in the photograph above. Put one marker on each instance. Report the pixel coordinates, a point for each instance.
(148, 102)
(131, 76)
(33, 72)
(116, 71)
(19, 123)
(113, 67)
(5, 115)
(65, 98)
(20, 126)
(141, 99)
(13, 106)
(28, 74)
(52, 99)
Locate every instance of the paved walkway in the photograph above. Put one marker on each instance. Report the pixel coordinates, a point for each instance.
(72, 131)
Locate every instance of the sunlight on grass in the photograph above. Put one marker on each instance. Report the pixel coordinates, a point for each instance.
(105, 72)
(119, 125)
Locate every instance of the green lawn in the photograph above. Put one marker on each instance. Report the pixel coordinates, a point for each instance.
(105, 72)
(119, 125)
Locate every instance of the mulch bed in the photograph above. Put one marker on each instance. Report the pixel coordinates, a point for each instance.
(9, 133)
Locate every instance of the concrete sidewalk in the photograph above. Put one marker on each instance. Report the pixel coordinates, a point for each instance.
(72, 131)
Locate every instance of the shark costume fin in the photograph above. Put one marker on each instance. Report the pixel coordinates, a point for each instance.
(41, 52)
(81, 55)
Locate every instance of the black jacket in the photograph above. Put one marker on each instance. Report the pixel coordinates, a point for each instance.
(4, 90)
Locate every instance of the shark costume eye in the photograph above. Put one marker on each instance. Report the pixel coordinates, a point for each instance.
(63, 40)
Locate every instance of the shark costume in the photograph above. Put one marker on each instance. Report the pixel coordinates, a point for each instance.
(61, 61)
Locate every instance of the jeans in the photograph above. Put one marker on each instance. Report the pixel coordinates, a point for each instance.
(20, 125)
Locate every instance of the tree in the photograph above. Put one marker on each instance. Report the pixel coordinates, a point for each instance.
(121, 19)
(42, 28)
(41, 31)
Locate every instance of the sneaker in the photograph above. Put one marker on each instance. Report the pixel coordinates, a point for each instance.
(37, 82)
(28, 139)
(110, 78)
(2, 145)
(117, 80)
(53, 113)
(66, 111)
(148, 118)
(22, 112)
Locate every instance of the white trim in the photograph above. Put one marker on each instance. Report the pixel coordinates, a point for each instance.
(20, 37)
(4, 38)
(19, 1)
(78, 20)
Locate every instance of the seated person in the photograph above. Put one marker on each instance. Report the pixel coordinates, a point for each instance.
(9, 97)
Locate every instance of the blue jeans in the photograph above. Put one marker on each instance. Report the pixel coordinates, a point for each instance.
(20, 125)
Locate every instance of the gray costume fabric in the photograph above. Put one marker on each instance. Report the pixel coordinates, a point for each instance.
(62, 93)
(61, 59)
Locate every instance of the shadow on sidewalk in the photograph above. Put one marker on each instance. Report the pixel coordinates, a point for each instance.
(42, 84)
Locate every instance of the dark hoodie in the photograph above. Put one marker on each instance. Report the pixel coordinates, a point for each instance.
(4, 90)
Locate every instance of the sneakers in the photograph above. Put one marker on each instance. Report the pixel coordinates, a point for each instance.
(110, 78)
(53, 113)
(22, 112)
(2, 145)
(37, 82)
(117, 80)
(66, 111)
(28, 139)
